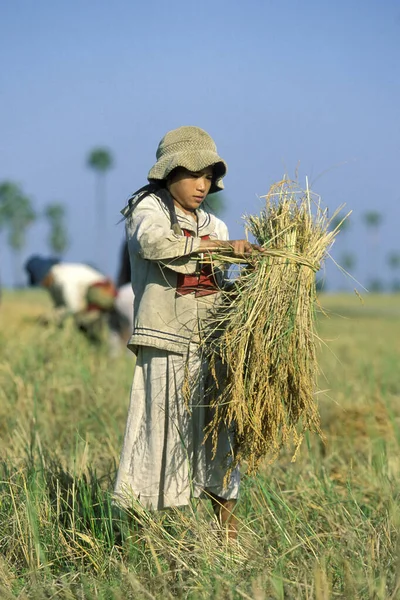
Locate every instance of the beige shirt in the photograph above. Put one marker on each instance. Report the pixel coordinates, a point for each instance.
(162, 318)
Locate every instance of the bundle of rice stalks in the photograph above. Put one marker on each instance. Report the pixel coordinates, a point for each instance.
(264, 330)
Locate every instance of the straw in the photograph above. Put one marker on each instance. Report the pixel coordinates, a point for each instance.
(261, 343)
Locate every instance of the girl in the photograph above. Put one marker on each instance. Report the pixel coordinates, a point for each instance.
(164, 461)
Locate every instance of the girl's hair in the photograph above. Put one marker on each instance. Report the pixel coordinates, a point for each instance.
(162, 192)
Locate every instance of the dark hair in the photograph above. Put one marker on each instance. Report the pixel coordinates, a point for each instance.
(124, 271)
(163, 193)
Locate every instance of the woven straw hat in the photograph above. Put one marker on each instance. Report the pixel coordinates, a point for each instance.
(191, 148)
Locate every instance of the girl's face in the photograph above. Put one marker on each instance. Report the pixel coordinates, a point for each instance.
(189, 189)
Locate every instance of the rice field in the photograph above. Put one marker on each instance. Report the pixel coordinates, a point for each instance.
(322, 527)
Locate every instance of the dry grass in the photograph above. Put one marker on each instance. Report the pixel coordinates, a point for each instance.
(323, 527)
(266, 330)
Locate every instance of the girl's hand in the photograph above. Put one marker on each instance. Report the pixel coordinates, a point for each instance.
(238, 248)
(242, 247)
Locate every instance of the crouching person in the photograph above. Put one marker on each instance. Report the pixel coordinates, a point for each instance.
(80, 292)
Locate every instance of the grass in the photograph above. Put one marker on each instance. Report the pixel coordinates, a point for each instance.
(322, 527)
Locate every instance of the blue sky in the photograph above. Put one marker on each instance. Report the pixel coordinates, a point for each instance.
(279, 85)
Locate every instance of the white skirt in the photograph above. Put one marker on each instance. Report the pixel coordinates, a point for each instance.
(164, 461)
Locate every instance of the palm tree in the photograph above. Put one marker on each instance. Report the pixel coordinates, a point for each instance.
(58, 238)
(348, 261)
(373, 220)
(101, 161)
(2, 219)
(341, 222)
(16, 215)
(346, 258)
(393, 261)
(3, 197)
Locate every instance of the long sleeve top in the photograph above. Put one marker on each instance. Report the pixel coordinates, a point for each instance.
(163, 318)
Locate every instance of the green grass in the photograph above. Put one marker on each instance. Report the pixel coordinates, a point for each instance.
(322, 527)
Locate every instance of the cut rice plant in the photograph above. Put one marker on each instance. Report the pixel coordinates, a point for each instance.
(263, 336)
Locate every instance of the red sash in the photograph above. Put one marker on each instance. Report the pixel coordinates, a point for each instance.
(201, 283)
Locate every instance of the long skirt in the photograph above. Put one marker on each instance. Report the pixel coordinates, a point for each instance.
(164, 460)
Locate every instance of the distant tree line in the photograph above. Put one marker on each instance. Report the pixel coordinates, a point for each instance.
(18, 214)
(372, 221)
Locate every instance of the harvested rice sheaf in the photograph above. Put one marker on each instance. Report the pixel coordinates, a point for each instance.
(264, 330)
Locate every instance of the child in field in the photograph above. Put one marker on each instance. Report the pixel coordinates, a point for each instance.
(164, 461)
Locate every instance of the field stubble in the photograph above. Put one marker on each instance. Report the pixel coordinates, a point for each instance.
(322, 527)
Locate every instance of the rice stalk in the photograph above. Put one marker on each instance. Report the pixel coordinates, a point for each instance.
(262, 340)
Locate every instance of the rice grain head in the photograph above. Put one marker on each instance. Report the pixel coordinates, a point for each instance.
(263, 331)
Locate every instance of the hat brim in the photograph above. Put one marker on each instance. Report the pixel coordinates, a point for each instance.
(195, 160)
